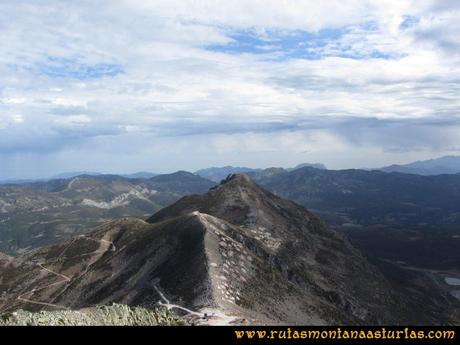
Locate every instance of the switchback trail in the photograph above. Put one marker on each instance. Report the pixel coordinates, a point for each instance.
(105, 245)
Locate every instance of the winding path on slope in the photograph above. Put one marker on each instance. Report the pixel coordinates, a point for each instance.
(104, 246)
(169, 305)
(206, 317)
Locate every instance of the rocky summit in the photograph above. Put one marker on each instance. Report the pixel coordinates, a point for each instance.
(237, 254)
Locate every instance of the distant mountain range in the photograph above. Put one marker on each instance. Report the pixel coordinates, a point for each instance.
(237, 254)
(67, 175)
(40, 213)
(217, 174)
(72, 174)
(140, 174)
(437, 166)
(363, 197)
(308, 165)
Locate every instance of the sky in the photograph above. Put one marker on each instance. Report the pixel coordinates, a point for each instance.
(120, 86)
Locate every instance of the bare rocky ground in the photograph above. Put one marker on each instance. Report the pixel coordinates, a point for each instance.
(114, 315)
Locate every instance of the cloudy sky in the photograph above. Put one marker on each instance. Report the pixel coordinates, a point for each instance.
(122, 86)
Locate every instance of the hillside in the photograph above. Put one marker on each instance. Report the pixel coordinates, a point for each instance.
(42, 213)
(370, 197)
(235, 254)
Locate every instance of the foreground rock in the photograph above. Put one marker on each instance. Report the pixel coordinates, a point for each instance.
(114, 315)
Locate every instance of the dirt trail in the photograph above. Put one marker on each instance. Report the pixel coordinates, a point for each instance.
(104, 246)
(209, 317)
(169, 305)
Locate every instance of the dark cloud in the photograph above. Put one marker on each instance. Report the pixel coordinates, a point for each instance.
(400, 135)
(43, 140)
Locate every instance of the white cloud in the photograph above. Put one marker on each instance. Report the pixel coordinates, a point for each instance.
(81, 73)
(261, 14)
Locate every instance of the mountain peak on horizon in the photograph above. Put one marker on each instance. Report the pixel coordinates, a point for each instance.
(435, 166)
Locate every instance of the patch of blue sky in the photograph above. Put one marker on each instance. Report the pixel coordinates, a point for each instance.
(57, 67)
(374, 54)
(370, 25)
(408, 22)
(283, 45)
(290, 44)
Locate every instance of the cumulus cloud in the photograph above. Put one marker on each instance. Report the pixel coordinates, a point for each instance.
(176, 84)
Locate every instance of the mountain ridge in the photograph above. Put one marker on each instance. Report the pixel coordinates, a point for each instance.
(436, 166)
(40, 213)
(363, 197)
(217, 174)
(237, 252)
